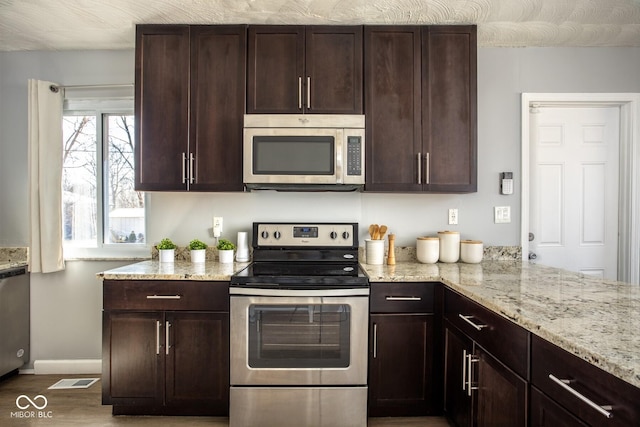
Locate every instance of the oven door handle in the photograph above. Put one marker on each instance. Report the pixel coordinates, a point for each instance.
(259, 292)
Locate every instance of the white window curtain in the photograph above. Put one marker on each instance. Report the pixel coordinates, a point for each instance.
(45, 177)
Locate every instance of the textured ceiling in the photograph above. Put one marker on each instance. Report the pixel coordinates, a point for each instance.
(100, 24)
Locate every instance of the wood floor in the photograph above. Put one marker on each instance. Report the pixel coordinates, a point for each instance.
(82, 407)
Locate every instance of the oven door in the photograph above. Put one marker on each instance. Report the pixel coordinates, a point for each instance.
(298, 340)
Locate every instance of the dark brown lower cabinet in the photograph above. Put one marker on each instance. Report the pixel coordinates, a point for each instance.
(547, 413)
(404, 344)
(171, 361)
(480, 390)
(400, 374)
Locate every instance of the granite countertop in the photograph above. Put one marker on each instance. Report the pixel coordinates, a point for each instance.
(178, 270)
(595, 319)
(11, 257)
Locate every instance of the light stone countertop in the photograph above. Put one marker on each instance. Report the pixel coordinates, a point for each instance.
(11, 257)
(178, 270)
(597, 320)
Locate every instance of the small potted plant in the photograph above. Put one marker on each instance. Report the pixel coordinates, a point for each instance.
(198, 250)
(225, 250)
(166, 249)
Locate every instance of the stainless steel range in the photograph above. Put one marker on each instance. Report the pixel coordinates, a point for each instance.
(299, 319)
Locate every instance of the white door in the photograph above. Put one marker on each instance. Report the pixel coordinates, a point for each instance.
(574, 164)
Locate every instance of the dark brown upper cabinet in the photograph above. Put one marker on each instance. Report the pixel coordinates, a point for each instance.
(189, 107)
(297, 69)
(420, 105)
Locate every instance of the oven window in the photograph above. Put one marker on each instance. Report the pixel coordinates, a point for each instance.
(293, 155)
(299, 336)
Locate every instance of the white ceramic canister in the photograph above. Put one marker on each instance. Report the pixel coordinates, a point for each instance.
(374, 251)
(449, 246)
(428, 249)
(471, 251)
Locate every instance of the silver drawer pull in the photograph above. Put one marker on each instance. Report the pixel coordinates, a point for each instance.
(603, 409)
(392, 298)
(468, 320)
(163, 297)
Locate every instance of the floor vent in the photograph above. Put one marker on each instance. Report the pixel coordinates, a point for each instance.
(69, 383)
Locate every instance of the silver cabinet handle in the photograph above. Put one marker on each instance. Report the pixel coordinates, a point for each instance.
(166, 337)
(191, 158)
(603, 409)
(470, 360)
(468, 320)
(299, 93)
(164, 296)
(157, 337)
(427, 177)
(392, 298)
(464, 369)
(308, 93)
(375, 340)
(419, 168)
(184, 172)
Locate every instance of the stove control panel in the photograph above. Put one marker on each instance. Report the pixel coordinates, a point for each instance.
(300, 235)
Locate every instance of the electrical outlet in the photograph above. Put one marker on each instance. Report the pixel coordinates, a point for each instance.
(217, 226)
(453, 216)
(502, 214)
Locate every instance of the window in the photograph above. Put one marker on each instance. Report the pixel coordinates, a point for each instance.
(103, 215)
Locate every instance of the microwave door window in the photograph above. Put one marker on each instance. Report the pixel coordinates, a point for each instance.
(293, 155)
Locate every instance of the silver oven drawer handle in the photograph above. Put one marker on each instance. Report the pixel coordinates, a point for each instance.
(392, 298)
(163, 297)
(468, 320)
(603, 409)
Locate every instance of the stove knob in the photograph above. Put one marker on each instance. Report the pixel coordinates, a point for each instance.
(333, 235)
(345, 235)
(264, 234)
(277, 235)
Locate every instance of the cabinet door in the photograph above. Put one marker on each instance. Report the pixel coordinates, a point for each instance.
(161, 106)
(333, 70)
(197, 351)
(457, 399)
(275, 69)
(501, 395)
(218, 91)
(392, 64)
(449, 108)
(401, 365)
(133, 358)
(546, 413)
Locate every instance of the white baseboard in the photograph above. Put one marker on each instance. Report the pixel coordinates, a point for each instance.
(70, 366)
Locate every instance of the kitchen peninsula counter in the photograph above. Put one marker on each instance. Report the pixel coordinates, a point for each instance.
(597, 320)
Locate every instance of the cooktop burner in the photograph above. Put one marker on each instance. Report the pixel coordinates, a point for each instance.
(302, 255)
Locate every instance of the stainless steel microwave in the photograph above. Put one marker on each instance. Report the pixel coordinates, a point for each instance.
(304, 152)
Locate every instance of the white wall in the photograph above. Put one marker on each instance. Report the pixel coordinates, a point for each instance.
(60, 330)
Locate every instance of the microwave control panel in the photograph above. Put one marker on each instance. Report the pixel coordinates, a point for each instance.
(354, 155)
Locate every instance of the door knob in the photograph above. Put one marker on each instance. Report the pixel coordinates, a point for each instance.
(532, 255)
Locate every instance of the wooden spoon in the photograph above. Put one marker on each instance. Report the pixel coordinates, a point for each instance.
(371, 230)
(376, 229)
(382, 231)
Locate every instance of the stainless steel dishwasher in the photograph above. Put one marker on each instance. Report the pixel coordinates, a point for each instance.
(14, 319)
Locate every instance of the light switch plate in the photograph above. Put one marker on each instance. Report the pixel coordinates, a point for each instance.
(502, 214)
